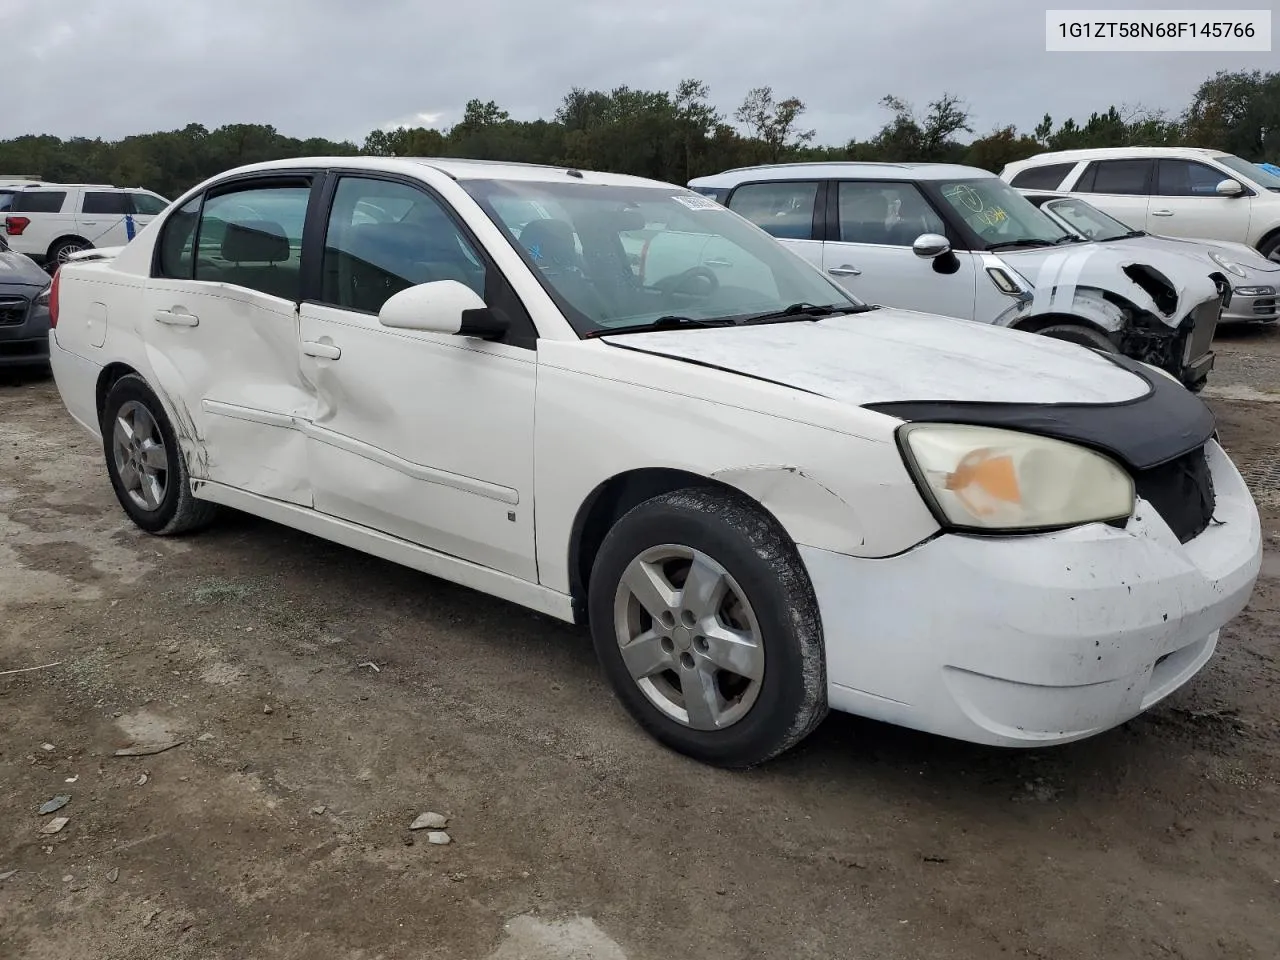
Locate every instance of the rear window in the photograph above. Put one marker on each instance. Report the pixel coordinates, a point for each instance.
(1122, 177)
(38, 201)
(718, 194)
(1048, 177)
(781, 208)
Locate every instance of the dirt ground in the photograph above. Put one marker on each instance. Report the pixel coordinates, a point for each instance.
(325, 699)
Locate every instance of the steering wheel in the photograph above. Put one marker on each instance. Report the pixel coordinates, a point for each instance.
(679, 283)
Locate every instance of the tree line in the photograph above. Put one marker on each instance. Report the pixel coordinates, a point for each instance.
(672, 136)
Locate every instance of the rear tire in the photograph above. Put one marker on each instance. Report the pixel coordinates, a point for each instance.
(145, 462)
(734, 674)
(59, 252)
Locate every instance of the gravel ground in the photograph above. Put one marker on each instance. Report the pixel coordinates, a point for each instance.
(325, 699)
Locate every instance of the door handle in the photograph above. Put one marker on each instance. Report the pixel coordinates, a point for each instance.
(1162, 213)
(177, 317)
(718, 263)
(90, 223)
(325, 351)
(845, 271)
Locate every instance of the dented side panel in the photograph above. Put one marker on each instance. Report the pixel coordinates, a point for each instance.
(232, 384)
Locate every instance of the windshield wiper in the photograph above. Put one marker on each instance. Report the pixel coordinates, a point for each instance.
(1131, 234)
(1069, 238)
(1022, 242)
(662, 323)
(805, 311)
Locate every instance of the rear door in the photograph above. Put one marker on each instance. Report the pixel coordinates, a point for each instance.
(788, 210)
(1185, 203)
(1119, 187)
(101, 217)
(876, 223)
(220, 327)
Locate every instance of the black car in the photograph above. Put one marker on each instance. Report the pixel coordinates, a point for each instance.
(24, 311)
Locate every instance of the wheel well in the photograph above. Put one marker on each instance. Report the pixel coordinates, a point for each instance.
(107, 379)
(63, 239)
(606, 505)
(1267, 238)
(1042, 321)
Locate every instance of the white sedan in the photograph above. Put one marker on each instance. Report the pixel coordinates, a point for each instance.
(765, 498)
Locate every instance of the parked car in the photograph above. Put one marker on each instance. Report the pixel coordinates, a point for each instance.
(959, 241)
(24, 311)
(767, 499)
(1254, 279)
(51, 221)
(1173, 191)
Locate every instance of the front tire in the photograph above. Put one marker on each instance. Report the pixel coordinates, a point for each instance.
(707, 627)
(145, 462)
(1084, 336)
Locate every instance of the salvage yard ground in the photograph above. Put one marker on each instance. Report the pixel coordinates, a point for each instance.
(325, 699)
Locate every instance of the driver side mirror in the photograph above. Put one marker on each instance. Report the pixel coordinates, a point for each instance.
(930, 246)
(1229, 188)
(442, 306)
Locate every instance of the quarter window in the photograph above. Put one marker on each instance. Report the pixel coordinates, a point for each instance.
(1186, 178)
(38, 201)
(1125, 177)
(1047, 177)
(780, 208)
(384, 237)
(885, 212)
(253, 238)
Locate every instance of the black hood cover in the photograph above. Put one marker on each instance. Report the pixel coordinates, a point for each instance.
(1163, 424)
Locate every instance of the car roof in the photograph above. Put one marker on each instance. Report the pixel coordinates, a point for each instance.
(457, 169)
(838, 169)
(1112, 153)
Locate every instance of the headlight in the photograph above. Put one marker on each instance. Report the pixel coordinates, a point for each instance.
(987, 479)
(42, 298)
(1226, 264)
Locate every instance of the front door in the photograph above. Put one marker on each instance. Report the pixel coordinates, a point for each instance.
(222, 336)
(878, 221)
(1186, 203)
(423, 436)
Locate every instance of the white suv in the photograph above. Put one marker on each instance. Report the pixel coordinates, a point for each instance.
(1170, 191)
(54, 220)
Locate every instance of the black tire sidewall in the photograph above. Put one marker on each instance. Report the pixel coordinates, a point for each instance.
(129, 388)
(769, 726)
(1079, 335)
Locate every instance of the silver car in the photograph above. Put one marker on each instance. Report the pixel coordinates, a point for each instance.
(1254, 279)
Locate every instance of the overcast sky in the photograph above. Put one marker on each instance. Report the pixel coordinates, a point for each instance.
(340, 68)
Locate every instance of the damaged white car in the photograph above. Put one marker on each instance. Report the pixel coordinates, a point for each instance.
(961, 242)
(767, 499)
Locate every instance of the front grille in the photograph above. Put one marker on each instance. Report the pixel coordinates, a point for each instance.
(13, 310)
(1181, 492)
(1205, 322)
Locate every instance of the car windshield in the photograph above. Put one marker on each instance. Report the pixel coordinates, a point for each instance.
(616, 256)
(1000, 216)
(1089, 220)
(1251, 170)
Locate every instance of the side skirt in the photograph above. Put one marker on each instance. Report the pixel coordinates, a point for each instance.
(463, 572)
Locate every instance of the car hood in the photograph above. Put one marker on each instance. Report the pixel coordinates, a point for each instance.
(15, 268)
(1241, 253)
(890, 355)
(1053, 271)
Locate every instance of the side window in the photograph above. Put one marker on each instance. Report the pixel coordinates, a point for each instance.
(384, 237)
(1047, 177)
(885, 212)
(106, 203)
(781, 209)
(38, 201)
(252, 237)
(1186, 178)
(144, 204)
(177, 242)
(1129, 177)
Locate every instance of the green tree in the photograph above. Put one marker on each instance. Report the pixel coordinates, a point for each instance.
(774, 124)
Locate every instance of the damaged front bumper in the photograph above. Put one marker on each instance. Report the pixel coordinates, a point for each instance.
(1186, 351)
